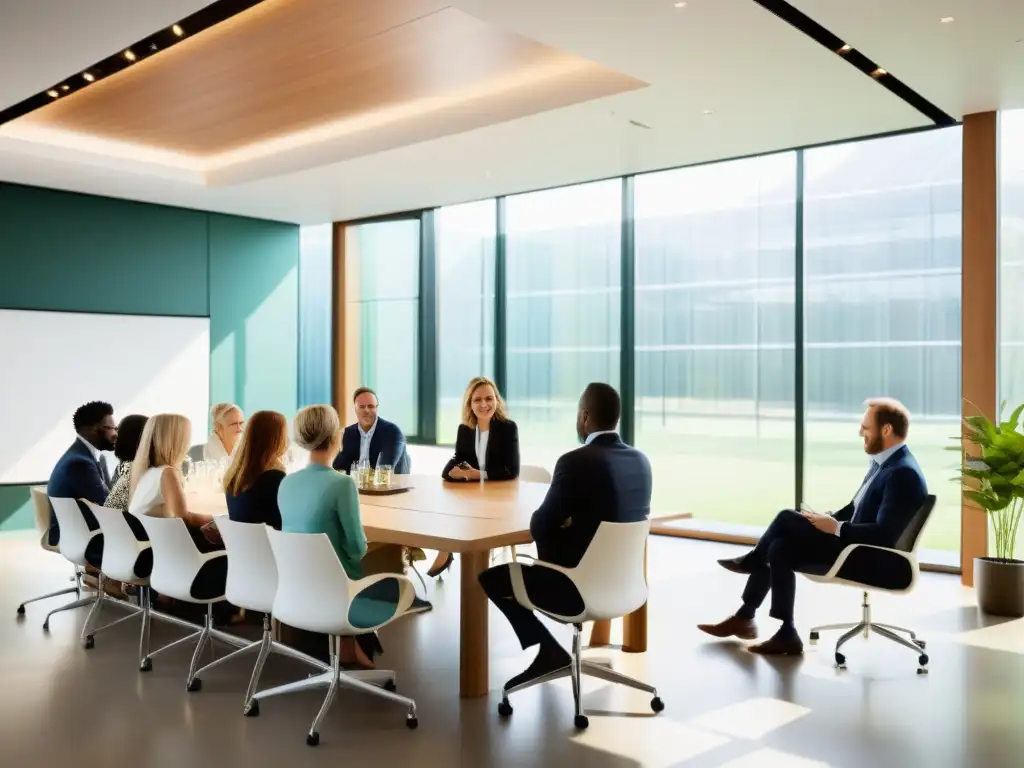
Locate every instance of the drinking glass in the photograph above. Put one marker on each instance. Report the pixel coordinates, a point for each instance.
(383, 478)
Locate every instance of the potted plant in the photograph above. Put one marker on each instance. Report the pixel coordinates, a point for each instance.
(992, 476)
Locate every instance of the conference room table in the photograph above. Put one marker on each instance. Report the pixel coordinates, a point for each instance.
(471, 520)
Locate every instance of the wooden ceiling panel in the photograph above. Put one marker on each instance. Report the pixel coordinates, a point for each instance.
(291, 65)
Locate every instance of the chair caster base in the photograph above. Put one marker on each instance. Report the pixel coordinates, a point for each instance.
(390, 686)
(313, 739)
(920, 644)
(194, 685)
(411, 722)
(657, 705)
(253, 710)
(90, 642)
(46, 626)
(922, 670)
(504, 708)
(581, 722)
(840, 661)
(814, 637)
(146, 665)
(21, 610)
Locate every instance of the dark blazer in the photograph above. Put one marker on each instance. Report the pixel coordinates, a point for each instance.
(387, 446)
(604, 481)
(502, 451)
(76, 476)
(258, 504)
(897, 491)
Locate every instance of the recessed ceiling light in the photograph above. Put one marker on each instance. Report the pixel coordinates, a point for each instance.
(845, 49)
(176, 29)
(946, 20)
(65, 87)
(879, 72)
(709, 111)
(89, 77)
(129, 55)
(52, 94)
(680, 5)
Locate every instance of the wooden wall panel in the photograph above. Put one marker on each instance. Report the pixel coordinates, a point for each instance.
(980, 305)
(346, 320)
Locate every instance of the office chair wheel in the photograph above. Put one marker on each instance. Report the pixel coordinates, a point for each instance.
(923, 659)
(46, 626)
(253, 710)
(814, 637)
(313, 738)
(21, 609)
(194, 685)
(657, 705)
(411, 722)
(390, 686)
(581, 722)
(840, 660)
(146, 665)
(89, 642)
(504, 708)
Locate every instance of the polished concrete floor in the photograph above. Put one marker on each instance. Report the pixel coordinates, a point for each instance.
(63, 705)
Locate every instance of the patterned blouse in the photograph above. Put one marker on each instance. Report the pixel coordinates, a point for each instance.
(118, 496)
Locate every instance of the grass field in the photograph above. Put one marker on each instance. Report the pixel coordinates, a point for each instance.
(739, 468)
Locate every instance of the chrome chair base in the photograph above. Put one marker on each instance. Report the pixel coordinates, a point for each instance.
(867, 627)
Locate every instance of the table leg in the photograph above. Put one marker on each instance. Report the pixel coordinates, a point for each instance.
(634, 626)
(600, 633)
(474, 670)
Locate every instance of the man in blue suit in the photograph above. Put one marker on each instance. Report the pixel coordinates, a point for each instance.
(891, 493)
(81, 473)
(379, 442)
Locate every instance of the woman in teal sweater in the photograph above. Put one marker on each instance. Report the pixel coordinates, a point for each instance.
(317, 499)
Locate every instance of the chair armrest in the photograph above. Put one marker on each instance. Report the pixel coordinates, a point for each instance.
(519, 586)
(847, 551)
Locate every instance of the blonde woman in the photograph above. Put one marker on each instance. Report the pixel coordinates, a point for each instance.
(228, 423)
(486, 446)
(157, 487)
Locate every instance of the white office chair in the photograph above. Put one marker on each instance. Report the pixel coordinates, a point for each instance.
(315, 594)
(75, 538)
(41, 506)
(905, 552)
(611, 582)
(534, 474)
(252, 584)
(178, 568)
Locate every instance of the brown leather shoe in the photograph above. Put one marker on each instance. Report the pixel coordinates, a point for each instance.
(779, 646)
(736, 565)
(734, 626)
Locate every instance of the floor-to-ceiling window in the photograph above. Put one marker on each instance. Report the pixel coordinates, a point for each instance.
(562, 313)
(882, 262)
(715, 328)
(465, 242)
(383, 261)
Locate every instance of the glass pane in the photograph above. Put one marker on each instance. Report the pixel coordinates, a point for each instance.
(383, 259)
(882, 262)
(564, 272)
(1011, 269)
(465, 308)
(715, 257)
(315, 321)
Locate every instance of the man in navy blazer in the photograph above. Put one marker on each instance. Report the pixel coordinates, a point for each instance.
(378, 441)
(604, 480)
(80, 473)
(891, 493)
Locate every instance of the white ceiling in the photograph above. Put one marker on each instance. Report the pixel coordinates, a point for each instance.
(769, 87)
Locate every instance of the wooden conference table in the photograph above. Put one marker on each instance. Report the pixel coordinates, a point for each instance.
(470, 519)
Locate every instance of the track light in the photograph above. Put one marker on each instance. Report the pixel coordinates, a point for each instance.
(88, 76)
(129, 54)
(177, 30)
(879, 73)
(52, 94)
(845, 50)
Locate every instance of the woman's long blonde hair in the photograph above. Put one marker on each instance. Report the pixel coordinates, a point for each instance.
(468, 417)
(164, 443)
(263, 443)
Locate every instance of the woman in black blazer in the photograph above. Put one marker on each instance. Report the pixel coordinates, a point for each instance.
(487, 446)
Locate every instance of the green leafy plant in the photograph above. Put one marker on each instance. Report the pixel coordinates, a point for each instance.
(992, 475)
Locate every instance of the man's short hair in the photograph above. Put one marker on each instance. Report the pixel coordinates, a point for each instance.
(889, 410)
(91, 414)
(363, 391)
(604, 405)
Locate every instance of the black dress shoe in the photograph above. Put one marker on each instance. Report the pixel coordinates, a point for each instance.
(782, 643)
(549, 659)
(435, 572)
(737, 565)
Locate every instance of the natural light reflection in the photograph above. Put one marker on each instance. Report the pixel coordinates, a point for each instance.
(752, 719)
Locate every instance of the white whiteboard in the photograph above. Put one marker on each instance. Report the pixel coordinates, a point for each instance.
(53, 362)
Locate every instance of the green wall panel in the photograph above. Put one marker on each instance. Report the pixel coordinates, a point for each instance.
(71, 252)
(254, 304)
(16, 511)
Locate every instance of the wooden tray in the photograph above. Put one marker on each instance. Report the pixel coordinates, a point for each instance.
(374, 491)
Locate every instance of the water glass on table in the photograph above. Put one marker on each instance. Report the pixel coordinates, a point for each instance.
(383, 475)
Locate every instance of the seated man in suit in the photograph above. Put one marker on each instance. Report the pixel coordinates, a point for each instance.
(379, 442)
(81, 473)
(884, 505)
(605, 480)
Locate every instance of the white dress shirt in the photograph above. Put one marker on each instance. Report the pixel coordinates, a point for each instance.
(594, 435)
(875, 462)
(481, 451)
(96, 454)
(214, 449)
(364, 443)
